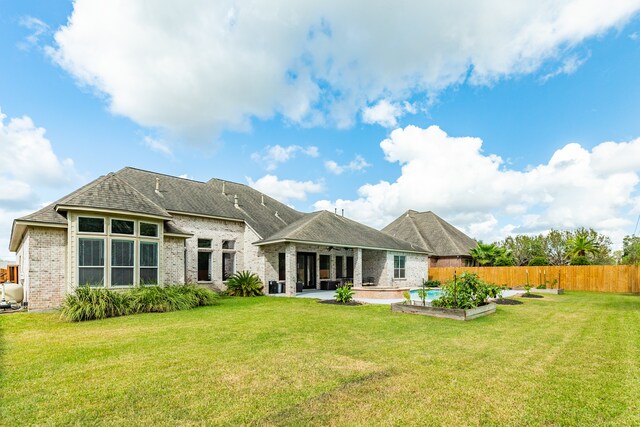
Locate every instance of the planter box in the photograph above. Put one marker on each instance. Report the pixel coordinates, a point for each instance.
(449, 313)
(548, 291)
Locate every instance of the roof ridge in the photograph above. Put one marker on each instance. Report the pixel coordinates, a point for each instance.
(82, 189)
(418, 232)
(161, 174)
(445, 225)
(145, 198)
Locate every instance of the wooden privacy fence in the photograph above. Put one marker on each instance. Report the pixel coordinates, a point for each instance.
(598, 278)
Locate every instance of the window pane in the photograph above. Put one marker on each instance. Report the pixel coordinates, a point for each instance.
(148, 254)
(91, 252)
(401, 261)
(339, 261)
(228, 244)
(91, 276)
(282, 267)
(91, 225)
(122, 253)
(120, 226)
(148, 276)
(204, 243)
(228, 265)
(122, 276)
(204, 266)
(324, 266)
(149, 230)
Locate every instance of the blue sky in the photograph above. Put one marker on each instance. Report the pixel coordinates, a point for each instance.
(296, 100)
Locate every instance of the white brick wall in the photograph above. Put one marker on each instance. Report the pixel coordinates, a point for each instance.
(173, 260)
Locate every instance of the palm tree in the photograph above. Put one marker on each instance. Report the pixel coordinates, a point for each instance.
(581, 245)
(483, 254)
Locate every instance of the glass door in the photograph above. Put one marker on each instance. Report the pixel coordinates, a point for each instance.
(306, 269)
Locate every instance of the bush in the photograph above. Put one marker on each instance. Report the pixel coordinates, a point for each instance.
(504, 261)
(538, 260)
(468, 291)
(431, 283)
(579, 260)
(92, 304)
(244, 284)
(344, 294)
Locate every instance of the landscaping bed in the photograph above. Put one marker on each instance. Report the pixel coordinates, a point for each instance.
(448, 313)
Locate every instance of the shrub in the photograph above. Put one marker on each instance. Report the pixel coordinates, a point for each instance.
(407, 297)
(468, 291)
(344, 294)
(431, 283)
(90, 304)
(244, 284)
(504, 261)
(538, 260)
(579, 260)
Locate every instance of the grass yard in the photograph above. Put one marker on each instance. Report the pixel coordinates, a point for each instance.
(564, 360)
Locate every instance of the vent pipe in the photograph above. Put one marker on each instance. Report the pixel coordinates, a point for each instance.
(223, 193)
(277, 216)
(262, 199)
(342, 212)
(235, 200)
(157, 185)
(335, 211)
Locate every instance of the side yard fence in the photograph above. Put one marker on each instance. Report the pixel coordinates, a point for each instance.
(597, 278)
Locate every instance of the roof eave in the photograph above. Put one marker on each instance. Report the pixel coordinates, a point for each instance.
(19, 226)
(59, 208)
(340, 245)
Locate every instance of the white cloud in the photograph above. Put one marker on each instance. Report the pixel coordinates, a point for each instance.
(37, 27)
(29, 162)
(357, 164)
(286, 190)
(158, 146)
(383, 113)
(569, 66)
(478, 192)
(271, 156)
(198, 67)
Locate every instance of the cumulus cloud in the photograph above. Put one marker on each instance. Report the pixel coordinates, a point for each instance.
(29, 162)
(272, 156)
(203, 66)
(157, 145)
(385, 113)
(453, 177)
(357, 164)
(286, 190)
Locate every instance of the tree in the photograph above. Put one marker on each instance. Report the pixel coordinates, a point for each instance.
(556, 247)
(581, 245)
(631, 250)
(483, 254)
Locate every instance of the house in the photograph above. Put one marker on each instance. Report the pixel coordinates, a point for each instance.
(135, 227)
(449, 246)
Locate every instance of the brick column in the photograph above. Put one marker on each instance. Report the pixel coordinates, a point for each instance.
(290, 264)
(357, 267)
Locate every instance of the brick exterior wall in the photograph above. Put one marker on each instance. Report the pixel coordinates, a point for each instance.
(450, 261)
(43, 252)
(173, 261)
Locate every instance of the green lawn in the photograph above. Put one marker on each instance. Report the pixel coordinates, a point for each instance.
(565, 360)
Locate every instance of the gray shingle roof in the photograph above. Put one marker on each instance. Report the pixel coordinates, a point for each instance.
(112, 193)
(47, 214)
(430, 232)
(206, 198)
(328, 228)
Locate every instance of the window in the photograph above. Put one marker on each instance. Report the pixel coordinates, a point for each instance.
(90, 225)
(148, 263)
(350, 267)
(204, 266)
(120, 226)
(148, 230)
(122, 262)
(282, 266)
(228, 258)
(398, 266)
(325, 262)
(339, 267)
(204, 243)
(91, 262)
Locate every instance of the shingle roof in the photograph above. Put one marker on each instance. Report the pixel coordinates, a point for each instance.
(48, 214)
(207, 198)
(430, 232)
(328, 228)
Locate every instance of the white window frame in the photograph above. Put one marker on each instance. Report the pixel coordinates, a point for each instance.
(403, 270)
(157, 236)
(104, 223)
(135, 228)
(111, 266)
(140, 266)
(104, 261)
(228, 251)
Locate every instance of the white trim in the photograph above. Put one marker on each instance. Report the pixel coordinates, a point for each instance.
(104, 225)
(109, 212)
(40, 224)
(306, 242)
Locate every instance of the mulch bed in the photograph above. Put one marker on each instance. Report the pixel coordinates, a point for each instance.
(507, 301)
(331, 301)
(531, 296)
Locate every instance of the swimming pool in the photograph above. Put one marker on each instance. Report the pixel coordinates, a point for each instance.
(431, 294)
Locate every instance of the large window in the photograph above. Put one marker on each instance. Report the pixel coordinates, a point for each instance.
(90, 225)
(398, 266)
(282, 266)
(325, 265)
(350, 267)
(339, 267)
(122, 262)
(148, 263)
(91, 262)
(148, 230)
(228, 259)
(204, 260)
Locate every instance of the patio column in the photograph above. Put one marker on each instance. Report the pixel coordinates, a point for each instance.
(290, 269)
(357, 267)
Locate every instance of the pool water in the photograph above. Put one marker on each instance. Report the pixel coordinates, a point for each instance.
(431, 295)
